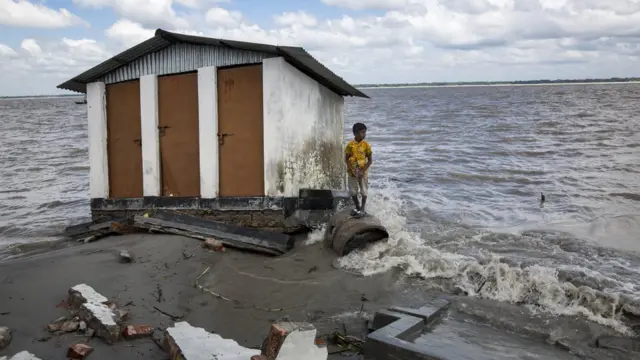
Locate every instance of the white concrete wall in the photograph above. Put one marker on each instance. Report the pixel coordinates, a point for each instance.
(97, 128)
(208, 130)
(151, 175)
(303, 132)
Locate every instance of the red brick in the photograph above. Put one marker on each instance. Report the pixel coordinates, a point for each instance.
(137, 331)
(78, 351)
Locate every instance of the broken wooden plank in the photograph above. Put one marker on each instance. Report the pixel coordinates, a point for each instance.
(97, 228)
(191, 234)
(230, 235)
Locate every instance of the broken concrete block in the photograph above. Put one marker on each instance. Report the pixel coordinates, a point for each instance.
(22, 355)
(293, 340)
(125, 257)
(137, 331)
(102, 319)
(213, 244)
(183, 341)
(83, 293)
(5, 337)
(79, 351)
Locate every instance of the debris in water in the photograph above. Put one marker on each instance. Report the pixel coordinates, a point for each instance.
(344, 233)
(102, 319)
(189, 343)
(137, 331)
(22, 355)
(125, 256)
(213, 244)
(94, 230)
(5, 337)
(244, 238)
(79, 351)
(280, 345)
(64, 325)
(83, 293)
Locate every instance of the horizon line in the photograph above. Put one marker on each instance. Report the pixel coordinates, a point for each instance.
(430, 84)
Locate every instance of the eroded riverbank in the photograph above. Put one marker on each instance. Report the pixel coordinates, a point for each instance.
(252, 292)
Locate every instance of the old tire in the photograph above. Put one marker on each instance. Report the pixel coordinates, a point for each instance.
(346, 233)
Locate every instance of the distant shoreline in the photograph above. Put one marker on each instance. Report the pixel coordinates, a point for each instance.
(448, 85)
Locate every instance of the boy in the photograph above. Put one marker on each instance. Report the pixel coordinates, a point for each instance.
(359, 158)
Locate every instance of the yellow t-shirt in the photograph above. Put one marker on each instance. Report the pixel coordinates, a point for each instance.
(358, 153)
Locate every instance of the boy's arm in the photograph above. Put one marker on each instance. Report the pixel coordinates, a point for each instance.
(369, 162)
(369, 158)
(347, 155)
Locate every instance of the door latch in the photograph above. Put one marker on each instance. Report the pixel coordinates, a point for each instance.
(162, 130)
(222, 136)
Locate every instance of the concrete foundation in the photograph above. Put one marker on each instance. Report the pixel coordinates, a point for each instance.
(459, 328)
(283, 214)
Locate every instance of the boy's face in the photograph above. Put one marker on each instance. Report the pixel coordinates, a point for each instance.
(360, 135)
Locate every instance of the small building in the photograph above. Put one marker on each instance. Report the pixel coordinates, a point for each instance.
(212, 126)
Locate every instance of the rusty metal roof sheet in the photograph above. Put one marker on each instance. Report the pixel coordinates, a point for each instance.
(296, 56)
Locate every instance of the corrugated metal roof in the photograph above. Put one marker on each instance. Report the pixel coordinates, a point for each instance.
(180, 58)
(296, 56)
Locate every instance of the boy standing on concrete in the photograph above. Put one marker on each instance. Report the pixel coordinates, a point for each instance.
(358, 156)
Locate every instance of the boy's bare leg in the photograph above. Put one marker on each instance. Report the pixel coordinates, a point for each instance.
(364, 203)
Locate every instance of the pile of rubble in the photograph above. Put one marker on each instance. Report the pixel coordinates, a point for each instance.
(94, 315)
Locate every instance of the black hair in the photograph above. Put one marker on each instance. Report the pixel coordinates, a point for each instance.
(357, 127)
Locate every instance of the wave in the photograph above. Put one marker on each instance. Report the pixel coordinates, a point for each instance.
(557, 285)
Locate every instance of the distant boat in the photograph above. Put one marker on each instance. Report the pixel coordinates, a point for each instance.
(84, 101)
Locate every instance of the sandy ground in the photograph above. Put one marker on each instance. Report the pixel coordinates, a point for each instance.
(302, 282)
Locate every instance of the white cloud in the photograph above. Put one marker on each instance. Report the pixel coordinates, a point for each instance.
(407, 41)
(153, 13)
(295, 18)
(219, 17)
(370, 4)
(31, 46)
(6, 52)
(58, 59)
(128, 33)
(26, 14)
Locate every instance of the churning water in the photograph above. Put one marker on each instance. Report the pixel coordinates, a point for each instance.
(457, 178)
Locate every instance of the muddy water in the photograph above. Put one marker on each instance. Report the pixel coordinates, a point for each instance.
(457, 179)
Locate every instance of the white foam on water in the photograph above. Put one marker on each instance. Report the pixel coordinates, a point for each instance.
(316, 235)
(490, 278)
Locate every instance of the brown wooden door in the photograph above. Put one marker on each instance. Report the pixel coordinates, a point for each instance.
(240, 118)
(124, 148)
(178, 131)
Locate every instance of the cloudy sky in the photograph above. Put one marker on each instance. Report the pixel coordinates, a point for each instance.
(45, 42)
